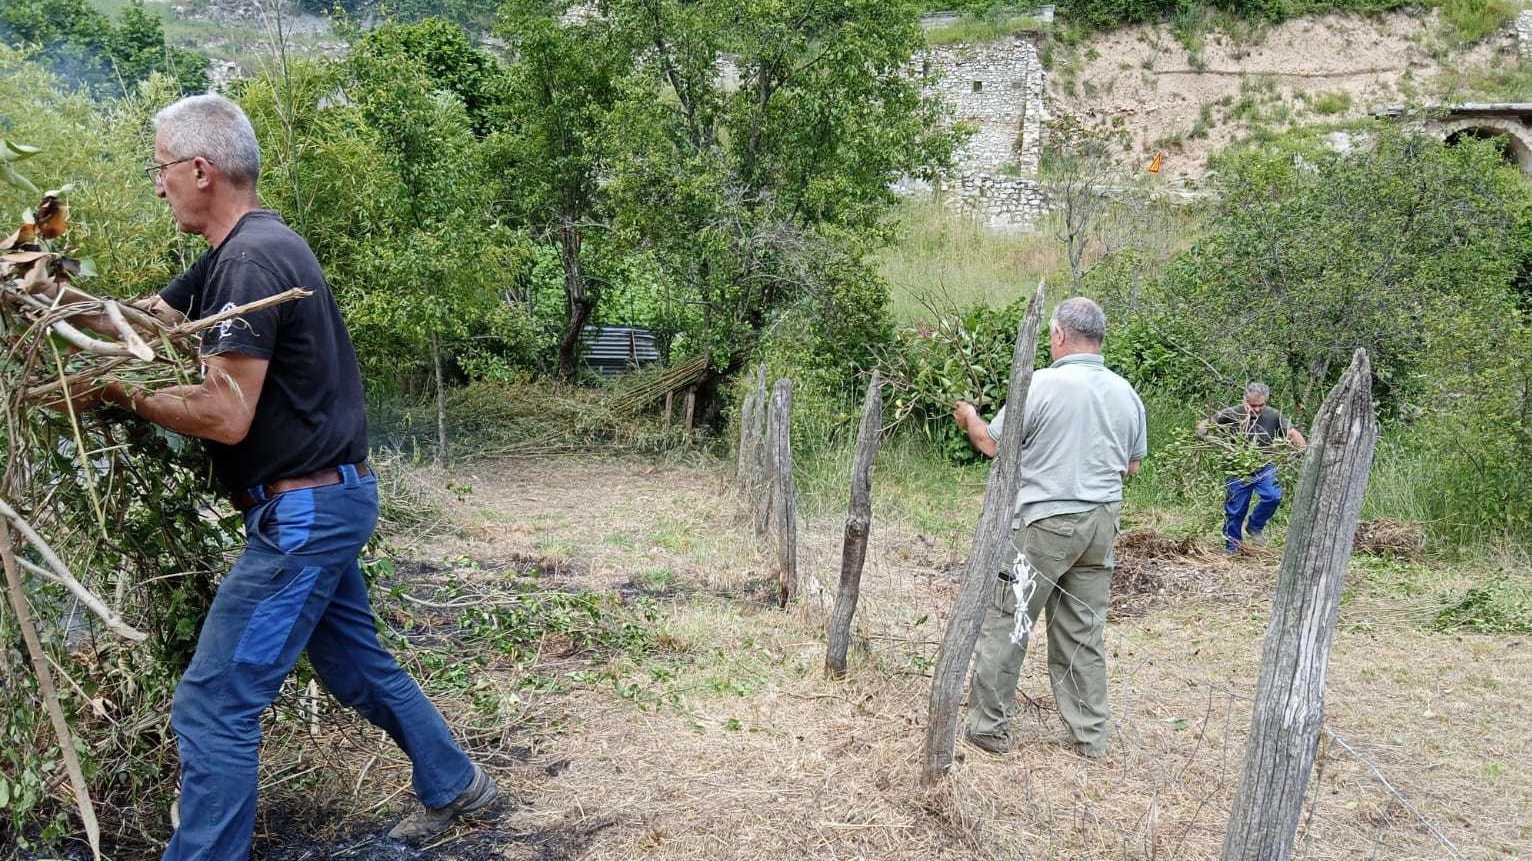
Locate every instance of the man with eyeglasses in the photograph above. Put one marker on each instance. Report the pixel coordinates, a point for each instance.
(1261, 426)
(280, 408)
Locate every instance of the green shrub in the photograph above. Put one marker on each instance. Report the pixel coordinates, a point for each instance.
(1330, 103)
(1497, 607)
(975, 28)
(1472, 20)
(1479, 432)
(825, 345)
(965, 356)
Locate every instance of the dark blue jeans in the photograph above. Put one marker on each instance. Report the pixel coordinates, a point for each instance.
(1261, 484)
(297, 586)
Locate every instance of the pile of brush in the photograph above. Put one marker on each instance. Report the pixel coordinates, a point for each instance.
(94, 505)
(62, 341)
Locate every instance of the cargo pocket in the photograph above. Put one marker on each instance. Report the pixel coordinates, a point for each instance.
(272, 621)
(1004, 597)
(1050, 538)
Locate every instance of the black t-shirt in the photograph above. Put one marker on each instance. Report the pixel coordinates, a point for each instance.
(310, 414)
(1261, 429)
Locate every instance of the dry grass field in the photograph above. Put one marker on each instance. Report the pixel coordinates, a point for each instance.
(714, 734)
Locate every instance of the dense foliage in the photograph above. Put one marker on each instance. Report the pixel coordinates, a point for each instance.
(1406, 248)
(86, 49)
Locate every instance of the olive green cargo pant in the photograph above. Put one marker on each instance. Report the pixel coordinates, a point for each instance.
(1071, 557)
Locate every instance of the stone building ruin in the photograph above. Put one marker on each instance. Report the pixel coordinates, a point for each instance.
(1507, 123)
(997, 89)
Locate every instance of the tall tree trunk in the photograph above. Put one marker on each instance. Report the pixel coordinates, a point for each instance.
(1290, 692)
(441, 400)
(580, 300)
(986, 558)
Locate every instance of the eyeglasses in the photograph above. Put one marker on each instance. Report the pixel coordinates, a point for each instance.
(153, 169)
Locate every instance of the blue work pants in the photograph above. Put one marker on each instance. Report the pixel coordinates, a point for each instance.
(1262, 484)
(296, 587)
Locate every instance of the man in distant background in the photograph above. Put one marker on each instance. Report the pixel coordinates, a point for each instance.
(1261, 426)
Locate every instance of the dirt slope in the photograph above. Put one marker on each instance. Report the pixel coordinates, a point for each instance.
(1324, 69)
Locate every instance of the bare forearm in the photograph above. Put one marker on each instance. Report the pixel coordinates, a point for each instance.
(978, 436)
(191, 410)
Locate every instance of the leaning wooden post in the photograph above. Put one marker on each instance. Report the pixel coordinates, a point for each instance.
(670, 402)
(760, 489)
(853, 553)
(784, 496)
(986, 559)
(691, 412)
(1290, 693)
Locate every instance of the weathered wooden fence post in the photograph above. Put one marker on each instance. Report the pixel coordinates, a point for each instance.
(986, 559)
(760, 481)
(691, 412)
(1289, 697)
(784, 495)
(853, 554)
(670, 403)
(746, 454)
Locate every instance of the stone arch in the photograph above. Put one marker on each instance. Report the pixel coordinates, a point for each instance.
(1516, 137)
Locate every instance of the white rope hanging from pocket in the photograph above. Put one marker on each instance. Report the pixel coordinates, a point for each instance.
(1023, 583)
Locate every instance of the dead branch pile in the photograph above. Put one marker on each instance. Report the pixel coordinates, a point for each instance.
(1399, 539)
(1149, 564)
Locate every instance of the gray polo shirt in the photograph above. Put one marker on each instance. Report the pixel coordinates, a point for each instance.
(1084, 424)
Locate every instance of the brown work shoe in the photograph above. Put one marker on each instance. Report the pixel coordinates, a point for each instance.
(426, 823)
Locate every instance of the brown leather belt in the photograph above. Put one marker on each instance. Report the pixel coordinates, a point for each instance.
(244, 500)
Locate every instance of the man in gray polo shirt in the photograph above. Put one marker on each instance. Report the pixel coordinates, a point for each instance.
(1084, 432)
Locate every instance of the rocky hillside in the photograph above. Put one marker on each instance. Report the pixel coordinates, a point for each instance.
(1189, 103)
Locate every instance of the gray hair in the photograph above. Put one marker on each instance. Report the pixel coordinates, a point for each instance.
(214, 128)
(1079, 317)
(1257, 390)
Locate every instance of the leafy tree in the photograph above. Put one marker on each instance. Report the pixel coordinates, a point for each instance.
(1079, 161)
(1312, 254)
(386, 183)
(435, 276)
(754, 194)
(442, 50)
(82, 46)
(560, 86)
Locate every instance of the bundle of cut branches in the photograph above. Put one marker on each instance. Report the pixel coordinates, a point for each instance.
(38, 289)
(74, 487)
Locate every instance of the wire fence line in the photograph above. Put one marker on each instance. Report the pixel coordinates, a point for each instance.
(909, 582)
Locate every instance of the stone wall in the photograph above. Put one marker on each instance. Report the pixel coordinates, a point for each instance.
(1005, 203)
(998, 88)
(1524, 34)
